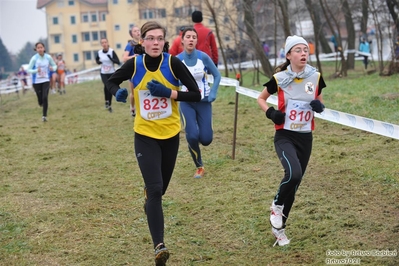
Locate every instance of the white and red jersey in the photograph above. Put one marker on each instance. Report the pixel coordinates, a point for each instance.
(294, 100)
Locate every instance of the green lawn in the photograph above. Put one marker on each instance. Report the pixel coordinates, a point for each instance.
(71, 191)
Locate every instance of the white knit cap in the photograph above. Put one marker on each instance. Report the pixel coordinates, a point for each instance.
(292, 41)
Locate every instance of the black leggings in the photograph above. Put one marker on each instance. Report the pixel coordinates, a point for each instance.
(365, 61)
(156, 159)
(107, 93)
(293, 150)
(42, 90)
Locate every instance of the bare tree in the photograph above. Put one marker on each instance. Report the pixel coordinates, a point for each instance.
(393, 6)
(351, 34)
(284, 11)
(316, 28)
(381, 22)
(365, 15)
(249, 19)
(334, 26)
(218, 35)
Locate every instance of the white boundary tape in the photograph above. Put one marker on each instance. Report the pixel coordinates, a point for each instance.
(350, 120)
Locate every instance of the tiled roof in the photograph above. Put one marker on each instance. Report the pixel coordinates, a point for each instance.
(43, 3)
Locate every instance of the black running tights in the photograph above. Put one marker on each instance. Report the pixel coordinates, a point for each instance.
(156, 159)
(293, 150)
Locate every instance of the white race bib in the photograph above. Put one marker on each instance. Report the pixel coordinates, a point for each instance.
(154, 108)
(298, 116)
(105, 68)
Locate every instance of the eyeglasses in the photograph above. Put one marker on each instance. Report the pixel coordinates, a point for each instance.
(152, 39)
(299, 50)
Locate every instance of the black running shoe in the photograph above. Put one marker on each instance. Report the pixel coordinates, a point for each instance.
(161, 255)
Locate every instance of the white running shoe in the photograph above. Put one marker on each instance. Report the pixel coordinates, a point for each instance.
(276, 216)
(44, 119)
(281, 238)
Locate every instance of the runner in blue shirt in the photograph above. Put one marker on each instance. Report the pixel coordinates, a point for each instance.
(197, 116)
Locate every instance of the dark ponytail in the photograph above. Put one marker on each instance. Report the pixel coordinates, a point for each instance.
(282, 66)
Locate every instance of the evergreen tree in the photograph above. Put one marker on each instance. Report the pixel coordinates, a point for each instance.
(26, 53)
(5, 58)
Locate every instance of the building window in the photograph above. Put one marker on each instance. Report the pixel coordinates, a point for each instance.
(85, 18)
(103, 34)
(55, 21)
(57, 38)
(115, 2)
(94, 36)
(76, 57)
(74, 38)
(161, 13)
(118, 46)
(146, 14)
(87, 55)
(103, 16)
(117, 27)
(60, 3)
(73, 20)
(93, 17)
(227, 38)
(86, 36)
(153, 13)
(184, 11)
(130, 1)
(226, 20)
(71, 2)
(177, 12)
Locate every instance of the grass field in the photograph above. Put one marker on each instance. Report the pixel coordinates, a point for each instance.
(71, 190)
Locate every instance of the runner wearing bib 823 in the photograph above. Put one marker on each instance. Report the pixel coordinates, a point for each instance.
(156, 117)
(154, 78)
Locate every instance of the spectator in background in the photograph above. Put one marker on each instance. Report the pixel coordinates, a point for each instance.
(311, 48)
(69, 76)
(266, 49)
(129, 49)
(206, 38)
(335, 43)
(229, 54)
(364, 48)
(75, 77)
(22, 74)
(177, 46)
(282, 53)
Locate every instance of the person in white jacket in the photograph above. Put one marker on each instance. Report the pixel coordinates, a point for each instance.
(40, 66)
(107, 57)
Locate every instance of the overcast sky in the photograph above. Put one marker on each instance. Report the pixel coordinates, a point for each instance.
(21, 22)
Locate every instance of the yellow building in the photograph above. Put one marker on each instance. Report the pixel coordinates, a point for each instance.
(75, 27)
